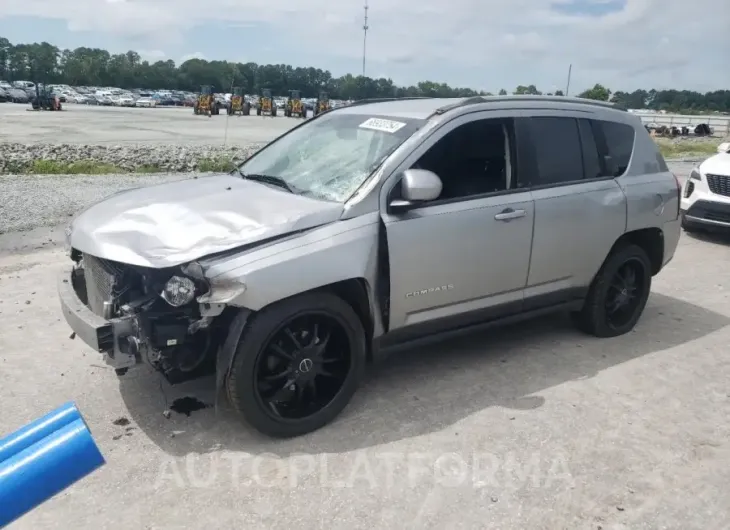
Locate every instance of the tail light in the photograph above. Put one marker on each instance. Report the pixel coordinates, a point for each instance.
(679, 192)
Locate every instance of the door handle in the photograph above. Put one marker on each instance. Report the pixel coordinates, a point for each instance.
(509, 213)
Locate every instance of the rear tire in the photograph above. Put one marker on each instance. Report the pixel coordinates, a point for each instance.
(603, 314)
(256, 373)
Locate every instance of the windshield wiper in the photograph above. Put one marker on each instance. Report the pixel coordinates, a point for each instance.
(268, 179)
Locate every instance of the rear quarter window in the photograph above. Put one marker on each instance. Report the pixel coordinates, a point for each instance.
(620, 144)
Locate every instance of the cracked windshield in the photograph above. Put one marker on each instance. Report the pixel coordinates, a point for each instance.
(331, 158)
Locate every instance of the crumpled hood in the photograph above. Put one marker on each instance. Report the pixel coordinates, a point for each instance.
(174, 223)
(717, 164)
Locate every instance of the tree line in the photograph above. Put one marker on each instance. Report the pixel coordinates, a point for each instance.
(45, 63)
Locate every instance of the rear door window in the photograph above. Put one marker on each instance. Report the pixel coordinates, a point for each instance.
(557, 148)
(620, 143)
(592, 166)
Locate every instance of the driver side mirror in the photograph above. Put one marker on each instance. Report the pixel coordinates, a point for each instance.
(417, 186)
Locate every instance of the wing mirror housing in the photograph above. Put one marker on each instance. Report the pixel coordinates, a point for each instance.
(417, 186)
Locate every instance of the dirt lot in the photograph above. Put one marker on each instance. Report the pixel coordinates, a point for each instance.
(533, 426)
(113, 125)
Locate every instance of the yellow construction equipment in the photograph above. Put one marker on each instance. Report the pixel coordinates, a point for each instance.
(266, 106)
(323, 103)
(206, 103)
(235, 105)
(294, 105)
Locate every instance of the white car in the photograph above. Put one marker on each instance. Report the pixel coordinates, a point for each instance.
(705, 203)
(146, 102)
(126, 101)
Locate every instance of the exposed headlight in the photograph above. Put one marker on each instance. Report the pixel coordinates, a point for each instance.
(695, 175)
(222, 292)
(178, 291)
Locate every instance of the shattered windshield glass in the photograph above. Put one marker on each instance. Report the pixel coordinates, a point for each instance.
(330, 157)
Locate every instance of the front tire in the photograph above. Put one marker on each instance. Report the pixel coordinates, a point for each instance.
(297, 365)
(618, 294)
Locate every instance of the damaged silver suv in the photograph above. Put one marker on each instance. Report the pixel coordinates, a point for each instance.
(369, 226)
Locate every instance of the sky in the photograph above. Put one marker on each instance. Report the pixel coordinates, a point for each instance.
(481, 44)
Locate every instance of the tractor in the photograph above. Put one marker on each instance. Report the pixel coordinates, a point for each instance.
(206, 103)
(237, 103)
(323, 103)
(266, 106)
(44, 99)
(294, 105)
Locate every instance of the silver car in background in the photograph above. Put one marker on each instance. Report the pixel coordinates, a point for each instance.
(370, 226)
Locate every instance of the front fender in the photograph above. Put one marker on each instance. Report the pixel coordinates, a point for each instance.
(332, 253)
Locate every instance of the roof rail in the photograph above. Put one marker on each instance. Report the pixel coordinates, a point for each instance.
(528, 97)
(383, 100)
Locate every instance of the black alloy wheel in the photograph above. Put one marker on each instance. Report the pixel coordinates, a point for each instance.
(618, 294)
(624, 293)
(297, 364)
(303, 366)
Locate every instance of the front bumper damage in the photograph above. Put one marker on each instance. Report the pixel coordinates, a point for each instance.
(112, 338)
(174, 341)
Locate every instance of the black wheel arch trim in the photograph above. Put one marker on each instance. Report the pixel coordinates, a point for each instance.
(227, 352)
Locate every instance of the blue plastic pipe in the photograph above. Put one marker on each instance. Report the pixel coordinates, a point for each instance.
(40, 470)
(34, 432)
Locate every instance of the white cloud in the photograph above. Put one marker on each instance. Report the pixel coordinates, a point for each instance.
(147, 55)
(196, 55)
(495, 41)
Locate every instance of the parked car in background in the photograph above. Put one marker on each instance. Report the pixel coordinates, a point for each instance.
(706, 194)
(146, 102)
(4, 96)
(126, 100)
(25, 85)
(18, 95)
(165, 101)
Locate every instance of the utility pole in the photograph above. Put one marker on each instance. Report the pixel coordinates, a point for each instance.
(365, 29)
(567, 88)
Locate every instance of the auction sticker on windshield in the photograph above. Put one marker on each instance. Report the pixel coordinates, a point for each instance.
(379, 124)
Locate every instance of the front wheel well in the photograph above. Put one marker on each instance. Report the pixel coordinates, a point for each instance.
(651, 240)
(355, 292)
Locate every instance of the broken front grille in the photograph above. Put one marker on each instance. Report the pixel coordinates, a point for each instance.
(103, 282)
(719, 184)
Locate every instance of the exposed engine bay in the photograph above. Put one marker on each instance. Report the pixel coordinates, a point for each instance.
(154, 314)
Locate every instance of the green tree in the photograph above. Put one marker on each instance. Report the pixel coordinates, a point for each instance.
(44, 62)
(598, 93)
(529, 90)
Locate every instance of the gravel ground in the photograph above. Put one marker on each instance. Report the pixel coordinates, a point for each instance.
(32, 201)
(20, 158)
